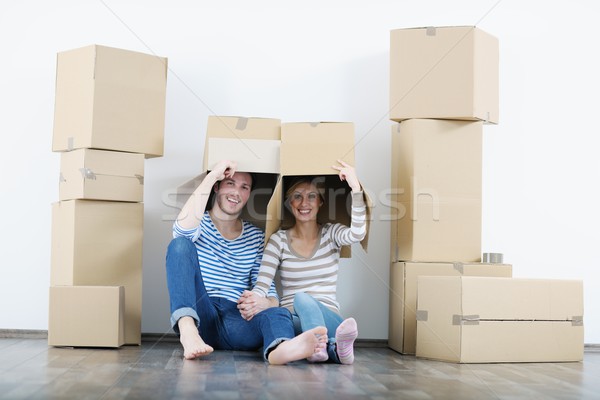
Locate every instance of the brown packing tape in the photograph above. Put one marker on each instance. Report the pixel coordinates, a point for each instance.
(577, 320)
(465, 319)
(460, 267)
(87, 173)
(241, 123)
(140, 178)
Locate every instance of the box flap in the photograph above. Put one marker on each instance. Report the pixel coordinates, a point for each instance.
(251, 155)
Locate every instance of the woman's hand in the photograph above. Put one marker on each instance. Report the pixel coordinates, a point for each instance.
(348, 174)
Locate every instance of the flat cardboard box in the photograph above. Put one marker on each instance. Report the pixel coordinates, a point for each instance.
(110, 99)
(436, 190)
(252, 142)
(256, 209)
(99, 243)
(492, 320)
(403, 294)
(86, 316)
(444, 73)
(101, 175)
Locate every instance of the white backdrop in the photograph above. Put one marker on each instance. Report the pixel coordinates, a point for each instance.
(305, 61)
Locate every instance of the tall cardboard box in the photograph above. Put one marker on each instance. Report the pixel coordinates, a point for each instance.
(484, 320)
(86, 316)
(444, 73)
(254, 143)
(436, 190)
(99, 243)
(101, 175)
(311, 149)
(110, 99)
(403, 294)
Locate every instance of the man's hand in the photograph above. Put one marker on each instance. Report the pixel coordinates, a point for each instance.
(224, 169)
(251, 304)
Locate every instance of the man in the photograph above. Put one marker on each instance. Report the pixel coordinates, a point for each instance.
(212, 263)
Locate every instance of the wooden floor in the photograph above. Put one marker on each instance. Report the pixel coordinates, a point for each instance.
(29, 369)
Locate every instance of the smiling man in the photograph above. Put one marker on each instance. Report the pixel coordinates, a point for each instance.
(212, 263)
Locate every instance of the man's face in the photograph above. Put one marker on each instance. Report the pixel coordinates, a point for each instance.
(232, 193)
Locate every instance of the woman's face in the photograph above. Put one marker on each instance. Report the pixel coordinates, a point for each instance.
(305, 202)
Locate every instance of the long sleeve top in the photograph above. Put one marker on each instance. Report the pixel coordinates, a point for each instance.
(317, 274)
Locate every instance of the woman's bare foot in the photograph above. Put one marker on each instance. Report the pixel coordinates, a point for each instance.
(302, 346)
(193, 345)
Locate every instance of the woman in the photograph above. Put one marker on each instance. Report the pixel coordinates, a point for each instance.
(307, 256)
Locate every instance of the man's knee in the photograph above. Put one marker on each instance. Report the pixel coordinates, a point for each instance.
(181, 246)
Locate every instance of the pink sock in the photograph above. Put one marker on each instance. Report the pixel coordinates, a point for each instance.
(345, 334)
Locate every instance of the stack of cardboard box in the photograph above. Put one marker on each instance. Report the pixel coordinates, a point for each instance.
(109, 116)
(443, 87)
(277, 153)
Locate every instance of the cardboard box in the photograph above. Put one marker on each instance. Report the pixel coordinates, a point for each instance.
(110, 99)
(436, 190)
(86, 316)
(311, 149)
(484, 320)
(445, 73)
(252, 142)
(99, 243)
(403, 294)
(101, 175)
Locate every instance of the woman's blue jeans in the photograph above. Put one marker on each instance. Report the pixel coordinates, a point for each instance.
(219, 321)
(310, 313)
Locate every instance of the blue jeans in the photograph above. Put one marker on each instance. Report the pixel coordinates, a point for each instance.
(219, 321)
(310, 313)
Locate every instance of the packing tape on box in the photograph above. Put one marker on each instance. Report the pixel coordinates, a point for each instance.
(465, 319)
(61, 178)
(430, 31)
(241, 123)
(140, 178)
(70, 143)
(577, 320)
(314, 124)
(87, 173)
(460, 267)
(493, 258)
(422, 315)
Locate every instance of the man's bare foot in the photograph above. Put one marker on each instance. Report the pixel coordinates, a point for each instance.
(193, 345)
(302, 346)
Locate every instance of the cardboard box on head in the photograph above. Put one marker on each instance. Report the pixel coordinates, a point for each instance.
(110, 99)
(444, 72)
(251, 142)
(311, 149)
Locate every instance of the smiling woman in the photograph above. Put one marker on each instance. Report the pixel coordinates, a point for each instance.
(307, 258)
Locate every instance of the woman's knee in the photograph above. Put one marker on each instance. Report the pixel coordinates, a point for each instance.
(303, 299)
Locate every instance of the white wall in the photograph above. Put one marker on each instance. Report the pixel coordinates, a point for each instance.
(305, 61)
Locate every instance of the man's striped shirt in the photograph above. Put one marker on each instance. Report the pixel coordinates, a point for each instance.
(228, 266)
